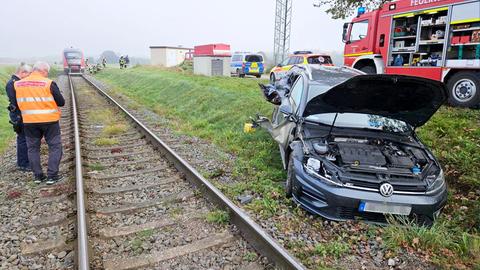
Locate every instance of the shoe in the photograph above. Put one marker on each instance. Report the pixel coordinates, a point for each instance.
(24, 169)
(53, 179)
(39, 179)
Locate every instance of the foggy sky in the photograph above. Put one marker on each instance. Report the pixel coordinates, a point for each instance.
(33, 28)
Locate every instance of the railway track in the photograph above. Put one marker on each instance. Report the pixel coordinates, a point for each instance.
(140, 205)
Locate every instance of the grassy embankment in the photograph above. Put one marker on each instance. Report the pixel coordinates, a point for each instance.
(216, 109)
(6, 131)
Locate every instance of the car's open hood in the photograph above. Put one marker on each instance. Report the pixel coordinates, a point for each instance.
(410, 99)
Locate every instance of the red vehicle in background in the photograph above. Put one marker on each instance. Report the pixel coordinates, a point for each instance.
(435, 39)
(73, 61)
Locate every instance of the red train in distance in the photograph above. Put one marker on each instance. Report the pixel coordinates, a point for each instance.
(73, 61)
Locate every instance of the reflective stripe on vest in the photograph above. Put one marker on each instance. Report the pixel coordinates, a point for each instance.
(35, 99)
(38, 111)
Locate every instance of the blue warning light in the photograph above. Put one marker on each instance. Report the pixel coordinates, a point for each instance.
(361, 10)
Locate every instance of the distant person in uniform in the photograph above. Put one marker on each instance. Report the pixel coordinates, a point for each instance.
(16, 117)
(38, 98)
(127, 61)
(122, 62)
(104, 62)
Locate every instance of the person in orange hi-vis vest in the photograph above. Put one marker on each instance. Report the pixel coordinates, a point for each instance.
(38, 99)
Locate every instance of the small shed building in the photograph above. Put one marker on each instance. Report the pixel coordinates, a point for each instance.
(212, 60)
(167, 56)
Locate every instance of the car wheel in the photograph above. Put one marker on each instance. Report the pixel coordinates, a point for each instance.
(369, 70)
(464, 89)
(290, 176)
(272, 78)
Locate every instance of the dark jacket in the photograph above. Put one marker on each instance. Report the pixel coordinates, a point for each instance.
(15, 114)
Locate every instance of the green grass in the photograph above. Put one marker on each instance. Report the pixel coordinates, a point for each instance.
(217, 216)
(6, 131)
(114, 129)
(96, 166)
(250, 256)
(216, 108)
(334, 249)
(140, 238)
(106, 141)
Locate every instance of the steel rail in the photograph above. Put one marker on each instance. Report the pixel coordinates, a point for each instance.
(82, 234)
(251, 231)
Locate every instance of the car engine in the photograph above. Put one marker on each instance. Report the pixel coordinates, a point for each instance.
(373, 154)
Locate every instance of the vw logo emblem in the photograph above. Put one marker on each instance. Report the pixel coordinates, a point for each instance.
(386, 190)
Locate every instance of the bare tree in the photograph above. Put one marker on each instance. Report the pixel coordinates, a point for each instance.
(340, 9)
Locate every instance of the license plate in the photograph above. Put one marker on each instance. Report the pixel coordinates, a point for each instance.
(385, 208)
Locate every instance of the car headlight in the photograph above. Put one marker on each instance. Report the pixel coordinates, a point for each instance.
(316, 168)
(435, 182)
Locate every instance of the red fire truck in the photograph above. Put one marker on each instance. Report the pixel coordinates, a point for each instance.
(436, 39)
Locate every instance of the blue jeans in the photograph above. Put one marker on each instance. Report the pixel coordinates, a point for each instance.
(22, 150)
(51, 133)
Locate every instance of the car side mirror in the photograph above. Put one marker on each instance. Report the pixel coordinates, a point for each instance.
(271, 94)
(279, 65)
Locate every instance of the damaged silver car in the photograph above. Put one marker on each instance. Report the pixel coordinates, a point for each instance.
(348, 143)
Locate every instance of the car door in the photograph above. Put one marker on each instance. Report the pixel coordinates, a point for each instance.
(282, 124)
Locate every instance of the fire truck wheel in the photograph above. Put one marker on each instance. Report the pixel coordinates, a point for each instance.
(464, 89)
(369, 69)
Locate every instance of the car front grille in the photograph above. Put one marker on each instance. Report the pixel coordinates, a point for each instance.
(418, 188)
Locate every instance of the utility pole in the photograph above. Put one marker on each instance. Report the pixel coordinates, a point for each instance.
(283, 19)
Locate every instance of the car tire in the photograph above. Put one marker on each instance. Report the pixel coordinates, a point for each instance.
(272, 78)
(290, 176)
(369, 70)
(464, 89)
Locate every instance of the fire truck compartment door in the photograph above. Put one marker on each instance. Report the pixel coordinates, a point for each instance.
(433, 73)
(466, 13)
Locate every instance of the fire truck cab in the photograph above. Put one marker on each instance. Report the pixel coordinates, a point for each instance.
(435, 39)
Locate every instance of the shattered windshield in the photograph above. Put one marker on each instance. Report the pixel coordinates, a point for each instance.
(362, 121)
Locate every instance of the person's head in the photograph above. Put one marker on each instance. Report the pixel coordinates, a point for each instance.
(23, 71)
(42, 67)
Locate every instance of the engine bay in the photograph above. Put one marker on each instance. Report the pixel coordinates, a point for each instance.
(372, 155)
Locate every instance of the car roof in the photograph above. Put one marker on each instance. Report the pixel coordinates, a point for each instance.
(329, 76)
(309, 54)
(247, 53)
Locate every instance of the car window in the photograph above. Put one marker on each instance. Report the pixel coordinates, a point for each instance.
(362, 121)
(359, 31)
(320, 60)
(254, 58)
(292, 61)
(285, 62)
(237, 58)
(299, 60)
(296, 93)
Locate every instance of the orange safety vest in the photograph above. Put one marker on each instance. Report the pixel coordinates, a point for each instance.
(35, 100)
